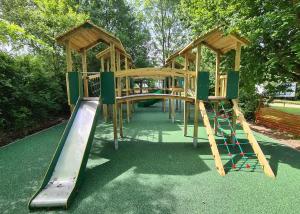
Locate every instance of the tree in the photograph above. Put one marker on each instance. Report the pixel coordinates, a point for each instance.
(167, 32)
(119, 18)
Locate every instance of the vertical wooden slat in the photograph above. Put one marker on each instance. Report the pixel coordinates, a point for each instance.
(217, 75)
(237, 65)
(127, 91)
(69, 69)
(115, 108)
(196, 115)
(186, 85)
(84, 70)
(119, 86)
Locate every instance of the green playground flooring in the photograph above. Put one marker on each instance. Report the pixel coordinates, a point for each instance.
(155, 170)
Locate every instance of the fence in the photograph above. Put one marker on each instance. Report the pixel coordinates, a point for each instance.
(275, 119)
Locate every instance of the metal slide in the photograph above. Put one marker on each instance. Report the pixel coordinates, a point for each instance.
(70, 158)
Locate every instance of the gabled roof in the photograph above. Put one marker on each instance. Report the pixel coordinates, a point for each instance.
(87, 35)
(215, 40)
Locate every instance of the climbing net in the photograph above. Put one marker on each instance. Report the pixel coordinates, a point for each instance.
(237, 149)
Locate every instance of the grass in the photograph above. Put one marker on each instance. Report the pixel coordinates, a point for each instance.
(155, 170)
(295, 111)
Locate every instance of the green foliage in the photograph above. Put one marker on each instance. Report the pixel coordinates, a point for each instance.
(119, 18)
(29, 92)
(167, 31)
(271, 26)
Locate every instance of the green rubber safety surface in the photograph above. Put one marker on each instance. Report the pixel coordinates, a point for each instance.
(155, 170)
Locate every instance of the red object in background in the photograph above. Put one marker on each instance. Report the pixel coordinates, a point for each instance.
(225, 143)
(229, 154)
(233, 166)
(237, 143)
(242, 153)
(248, 166)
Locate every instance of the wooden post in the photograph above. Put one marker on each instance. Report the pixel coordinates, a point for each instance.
(164, 101)
(217, 90)
(237, 65)
(127, 91)
(84, 70)
(69, 69)
(217, 75)
(173, 101)
(186, 86)
(105, 110)
(119, 87)
(115, 108)
(169, 81)
(196, 115)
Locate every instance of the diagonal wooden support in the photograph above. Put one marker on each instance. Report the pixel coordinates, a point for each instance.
(255, 146)
(211, 139)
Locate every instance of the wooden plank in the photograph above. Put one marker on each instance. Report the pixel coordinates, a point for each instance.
(136, 97)
(69, 69)
(255, 146)
(115, 107)
(237, 60)
(185, 108)
(217, 75)
(127, 91)
(196, 106)
(103, 53)
(211, 139)
(163, 72)
(84, 70)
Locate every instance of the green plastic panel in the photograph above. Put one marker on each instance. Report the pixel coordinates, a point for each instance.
(180, 82)
(203, 85)
(75, 86)
(232, 85)
(107, 87)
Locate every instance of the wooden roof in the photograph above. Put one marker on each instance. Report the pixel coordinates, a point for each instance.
(105, 54)
(215, 40)
(88, 35)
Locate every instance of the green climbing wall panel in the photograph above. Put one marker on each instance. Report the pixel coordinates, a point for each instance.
(180, 82)
(232, 85)
(203, 85)
(107, 87)
(75, 86)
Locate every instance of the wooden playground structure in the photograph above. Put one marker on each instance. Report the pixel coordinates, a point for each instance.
(116, 60)
(184, 82)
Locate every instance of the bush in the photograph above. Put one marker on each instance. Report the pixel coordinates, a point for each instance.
(29, 91)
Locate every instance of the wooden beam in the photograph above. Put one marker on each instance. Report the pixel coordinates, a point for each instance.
(217, 75)
(255, 146)
(84, 70)
(119, 87)
(237, 60)
(115, 107)
(196, 117)
(103, 53)
(69, 69)
(127, 91)
(186, 77)
(211, 139)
